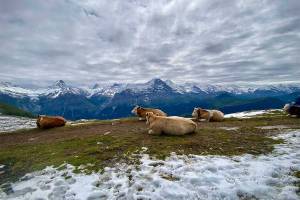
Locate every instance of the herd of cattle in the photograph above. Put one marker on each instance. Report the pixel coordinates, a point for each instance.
(160, 123)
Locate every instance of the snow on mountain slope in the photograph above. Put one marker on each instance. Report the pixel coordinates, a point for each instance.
(177, 177)
(185, 88)
(18, 91)
(111, 90)
(60, 88)
(57, 89)
(107, 90)
(231, 88)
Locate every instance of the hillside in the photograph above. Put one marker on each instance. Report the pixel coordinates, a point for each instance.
(7, 109)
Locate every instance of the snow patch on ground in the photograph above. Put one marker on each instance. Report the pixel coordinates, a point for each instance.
(248, 114)
(273, 127)
(229, 128)
(12, 123)
(177, 177)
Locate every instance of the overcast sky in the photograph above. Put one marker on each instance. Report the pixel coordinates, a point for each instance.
(89, 41)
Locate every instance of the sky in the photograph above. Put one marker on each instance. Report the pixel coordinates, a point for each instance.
(96, 41)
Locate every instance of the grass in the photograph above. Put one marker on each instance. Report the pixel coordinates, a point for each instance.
(90, 147)
(297, 183)
(12, 110)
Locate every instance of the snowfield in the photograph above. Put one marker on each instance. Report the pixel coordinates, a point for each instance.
(249, 114)
(178, 177)
(12, 123)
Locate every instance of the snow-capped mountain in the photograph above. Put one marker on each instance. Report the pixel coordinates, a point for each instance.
(57, 89)
(184, 88)
(106, 90)
(111, 90)
(61, 88)
(17, 91)
(116, 100)
(192, 87)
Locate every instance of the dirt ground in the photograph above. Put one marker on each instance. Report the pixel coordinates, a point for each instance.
(37, 136)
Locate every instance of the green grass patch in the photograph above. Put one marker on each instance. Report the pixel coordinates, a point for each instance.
(297, 183)
(7, 109)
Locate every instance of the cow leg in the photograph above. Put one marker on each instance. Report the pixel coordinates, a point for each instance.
(207, 119)
(154, 132)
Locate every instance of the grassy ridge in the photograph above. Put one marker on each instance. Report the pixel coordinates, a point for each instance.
(7, 109)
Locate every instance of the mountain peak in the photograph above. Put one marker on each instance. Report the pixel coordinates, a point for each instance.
(60, 84)
(96, 86)
(156, 81)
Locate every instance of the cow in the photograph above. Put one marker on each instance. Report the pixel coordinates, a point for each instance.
(208, 115)
(141, 112)
(292, 109)
(169, 125)
(45, 122)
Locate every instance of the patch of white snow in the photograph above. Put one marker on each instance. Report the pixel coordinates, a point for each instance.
(177, 177)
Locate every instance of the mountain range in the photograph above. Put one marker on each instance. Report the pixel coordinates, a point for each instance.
(116, 100)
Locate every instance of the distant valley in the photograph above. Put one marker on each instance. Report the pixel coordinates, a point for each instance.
(117, 100)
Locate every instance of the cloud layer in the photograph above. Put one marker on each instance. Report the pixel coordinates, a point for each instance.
(84, 42)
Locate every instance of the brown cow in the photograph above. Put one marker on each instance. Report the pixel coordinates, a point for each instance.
(45, 122)
(141, 112)
(292, 109)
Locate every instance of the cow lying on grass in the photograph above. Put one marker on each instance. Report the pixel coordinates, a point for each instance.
(169, 125)
(292, 109)
(208, 115)
(45, 122)
(141, 112)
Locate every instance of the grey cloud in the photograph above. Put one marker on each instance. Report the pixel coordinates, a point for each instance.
(84, 42)
(292, 25)
(216, 48)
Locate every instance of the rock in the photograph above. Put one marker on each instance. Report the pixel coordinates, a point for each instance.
(7, 188)
(106, 133)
